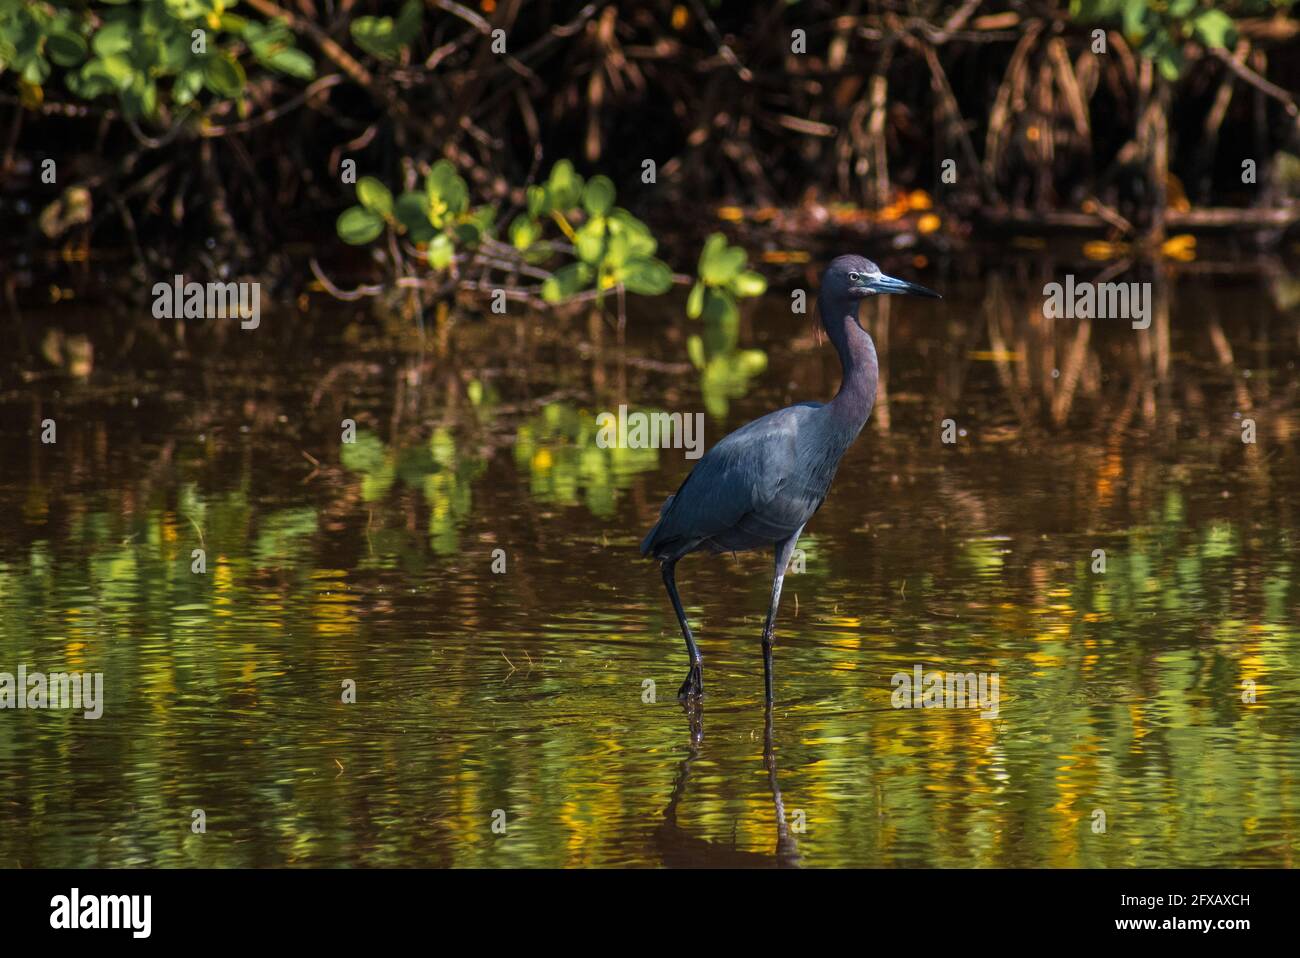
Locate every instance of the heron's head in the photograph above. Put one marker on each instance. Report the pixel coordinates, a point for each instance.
(856, 277)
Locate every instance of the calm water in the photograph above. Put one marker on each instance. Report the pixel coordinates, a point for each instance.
(1124, 693)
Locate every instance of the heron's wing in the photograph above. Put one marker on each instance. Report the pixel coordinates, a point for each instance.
(734, 497)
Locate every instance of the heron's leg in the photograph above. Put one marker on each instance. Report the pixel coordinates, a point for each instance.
(783, 550)
(694, 684)
(787, 849)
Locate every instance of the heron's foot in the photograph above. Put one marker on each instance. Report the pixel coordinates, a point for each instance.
(693, 687)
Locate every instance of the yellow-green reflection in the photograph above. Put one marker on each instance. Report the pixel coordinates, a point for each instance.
(1161, 692)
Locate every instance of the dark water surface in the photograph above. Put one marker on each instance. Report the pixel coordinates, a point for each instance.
(1125, 695)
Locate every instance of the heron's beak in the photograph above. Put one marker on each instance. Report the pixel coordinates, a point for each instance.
(888, 284)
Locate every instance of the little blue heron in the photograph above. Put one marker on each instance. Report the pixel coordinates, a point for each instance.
(761, 484)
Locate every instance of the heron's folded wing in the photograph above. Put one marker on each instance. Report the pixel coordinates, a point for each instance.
(734, 486)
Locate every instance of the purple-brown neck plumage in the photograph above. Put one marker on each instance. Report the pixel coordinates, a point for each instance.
(852, 404)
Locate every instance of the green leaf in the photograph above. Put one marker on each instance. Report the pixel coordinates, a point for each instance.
(375, 36)
(617, 251)
(457, 196)
(441, 251)
(173, 54)
(598, 195)
(713, 248)
(752, 361)
(1214, 28)
(141, 97)
(695, 350)
(37, 70)
(719, 262)
(484, 217)
(720, 317)
(524, 231)
(446, 186)
(366, 454)
(750, 283)
(566, 281)
(93, 80)
(375, 196)
(187, 85)
(117, 68)
(357, 226)
(1134, 17)
(695, 301)
(66, 48)
(438, 182)
(407, 26)
(224, 76)
(292, 62)
(590, 241)
(647, 276)
(539, 202)
(468, 234)
(640, 240)
(385, 37)
(111, 38)
(412, 211)
(1089, 10)
(564, 186)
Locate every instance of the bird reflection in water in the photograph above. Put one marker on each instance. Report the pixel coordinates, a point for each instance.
(678, 848)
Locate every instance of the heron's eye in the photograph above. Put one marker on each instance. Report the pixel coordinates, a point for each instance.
(853, 277)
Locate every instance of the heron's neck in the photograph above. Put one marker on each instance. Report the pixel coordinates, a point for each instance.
(857, 359)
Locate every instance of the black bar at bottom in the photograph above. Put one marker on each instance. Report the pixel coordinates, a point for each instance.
(335, 907)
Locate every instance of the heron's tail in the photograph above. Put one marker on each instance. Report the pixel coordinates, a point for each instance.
(648, 543)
